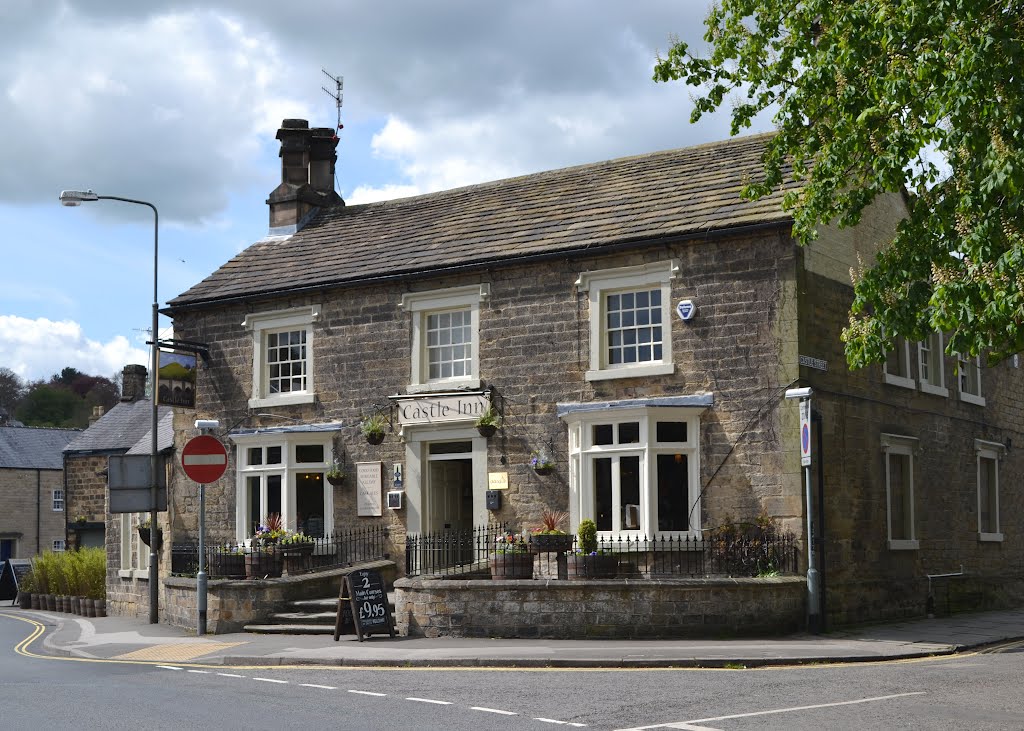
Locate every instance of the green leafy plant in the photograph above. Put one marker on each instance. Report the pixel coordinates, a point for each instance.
(293, 539)
(489, 418)
(373, 425)
(550, 523)
(336, 472)
(587, 533)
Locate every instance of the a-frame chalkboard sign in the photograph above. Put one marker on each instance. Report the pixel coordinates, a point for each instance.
(364, 594)
(12, 573)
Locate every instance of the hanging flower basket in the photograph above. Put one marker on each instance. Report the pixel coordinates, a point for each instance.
(375, 437)
(487, 430)
(144, 535)
(336, 481)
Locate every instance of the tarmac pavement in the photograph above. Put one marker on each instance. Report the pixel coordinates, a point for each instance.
(124, 638)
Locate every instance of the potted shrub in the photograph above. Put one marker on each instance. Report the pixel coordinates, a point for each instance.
(588, 562)
(488, 423)
(373, 428)
(144, 534)
(511, 558)
(336, 475)
(549, 536)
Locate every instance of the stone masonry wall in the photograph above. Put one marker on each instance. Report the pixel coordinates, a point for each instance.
(864, 579)
(621, 609)
(28, 516)
(534, 351)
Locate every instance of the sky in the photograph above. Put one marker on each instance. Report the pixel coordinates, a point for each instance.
(177, 104)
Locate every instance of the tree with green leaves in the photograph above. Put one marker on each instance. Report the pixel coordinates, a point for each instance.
(922, 97)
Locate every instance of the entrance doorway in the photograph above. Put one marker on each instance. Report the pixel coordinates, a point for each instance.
(449, 502)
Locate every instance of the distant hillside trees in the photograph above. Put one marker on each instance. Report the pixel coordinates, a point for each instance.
(65, 401)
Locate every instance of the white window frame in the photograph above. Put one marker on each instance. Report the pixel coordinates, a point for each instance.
(598, 285)
(422, 304)
(288, 469)
(930, 354)
(134, 553)
(989, 451)
(59, 545)
(582, 453)
(897, 444)
(262, 324)
(58, 501)
(963, 363)
(899, 379)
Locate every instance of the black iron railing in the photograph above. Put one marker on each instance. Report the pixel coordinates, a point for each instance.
(233, 561)
(462, 552)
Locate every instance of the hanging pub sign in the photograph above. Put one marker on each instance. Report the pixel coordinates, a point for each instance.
(176, 379)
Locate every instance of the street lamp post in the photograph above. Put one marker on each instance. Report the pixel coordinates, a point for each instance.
(75, 198)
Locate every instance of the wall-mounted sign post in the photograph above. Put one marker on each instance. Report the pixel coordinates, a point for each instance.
(813, 586)
(204, 460)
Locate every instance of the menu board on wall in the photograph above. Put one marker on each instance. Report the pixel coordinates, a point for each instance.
(369, 486)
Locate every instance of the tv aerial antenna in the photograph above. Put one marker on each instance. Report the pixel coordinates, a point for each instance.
(336, 95)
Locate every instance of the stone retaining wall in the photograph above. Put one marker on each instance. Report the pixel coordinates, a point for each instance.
(620, 609)
(232, 604)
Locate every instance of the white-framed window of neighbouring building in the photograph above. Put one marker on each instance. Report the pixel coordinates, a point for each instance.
(58, 500)
(931, 377)
(282, 363)
(636, 471)
(630, 320)
(445, 333)
(989, 456)
(58, 545)
(134, 553)
(968, 375)
(896, 368)
(284, 474)
(898, 452)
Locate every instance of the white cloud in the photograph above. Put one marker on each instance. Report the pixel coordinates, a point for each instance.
(37, 349)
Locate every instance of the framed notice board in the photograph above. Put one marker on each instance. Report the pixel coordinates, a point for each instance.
(363, 593)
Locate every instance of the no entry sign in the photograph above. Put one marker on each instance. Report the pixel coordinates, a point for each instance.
(204, 459)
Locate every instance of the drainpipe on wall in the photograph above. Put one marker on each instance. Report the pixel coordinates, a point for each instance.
(817, 421)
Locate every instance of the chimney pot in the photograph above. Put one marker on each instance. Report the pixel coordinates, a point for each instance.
(133, 382)
(307, 174)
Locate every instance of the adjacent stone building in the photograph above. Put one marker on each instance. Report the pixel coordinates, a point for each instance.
(124, 430)
(634, 321)
(32, 492)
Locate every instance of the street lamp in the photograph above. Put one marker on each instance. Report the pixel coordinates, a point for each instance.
(76, 198)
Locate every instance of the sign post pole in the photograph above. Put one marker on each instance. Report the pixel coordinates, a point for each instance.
(201, 575)
(813, 602)
(204, 460)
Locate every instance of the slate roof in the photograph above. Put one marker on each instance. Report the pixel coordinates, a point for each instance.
(642, 199)
(34, 448)
(124, 427)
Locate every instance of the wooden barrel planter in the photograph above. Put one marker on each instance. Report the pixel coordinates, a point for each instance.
(511, 566)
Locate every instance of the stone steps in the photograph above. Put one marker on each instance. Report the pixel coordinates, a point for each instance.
(308, 617)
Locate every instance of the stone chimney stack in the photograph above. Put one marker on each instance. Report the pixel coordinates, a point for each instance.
(133, 382)
(307, 175)
(97, 414)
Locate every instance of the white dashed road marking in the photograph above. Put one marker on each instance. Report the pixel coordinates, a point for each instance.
(691, 724)
(493, 710)
(432, 701)
(428, 700)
